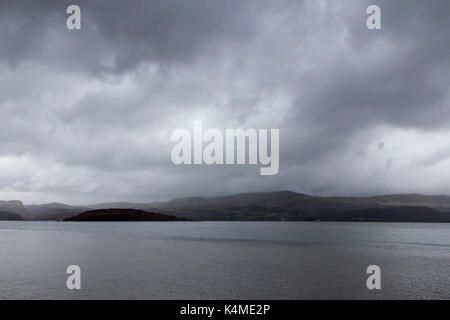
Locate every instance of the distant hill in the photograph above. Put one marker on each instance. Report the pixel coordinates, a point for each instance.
(287, 199)
(281, 205)
(438, 202)
(286, 205)
(51, 211)
(12, 206)
(10, 216)
(121, 215)
(391, 214)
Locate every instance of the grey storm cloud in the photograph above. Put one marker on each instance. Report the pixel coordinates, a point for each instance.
(118, 35)
(86, 115)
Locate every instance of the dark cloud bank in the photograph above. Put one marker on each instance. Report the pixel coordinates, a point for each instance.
(86, 115)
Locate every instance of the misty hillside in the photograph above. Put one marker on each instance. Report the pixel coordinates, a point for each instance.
(10, 216)
(286, 205)
(51, 211)
(12, 206)
(288, 199)
(281, 205)
(389, 214)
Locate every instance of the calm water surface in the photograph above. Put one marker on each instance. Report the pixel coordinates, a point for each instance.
(224, 260)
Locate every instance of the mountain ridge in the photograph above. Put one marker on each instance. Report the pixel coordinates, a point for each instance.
(278, 205)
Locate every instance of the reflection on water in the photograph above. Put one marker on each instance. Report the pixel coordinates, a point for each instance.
(224, 260)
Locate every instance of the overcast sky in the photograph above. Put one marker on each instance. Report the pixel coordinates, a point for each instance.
(86, 115)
